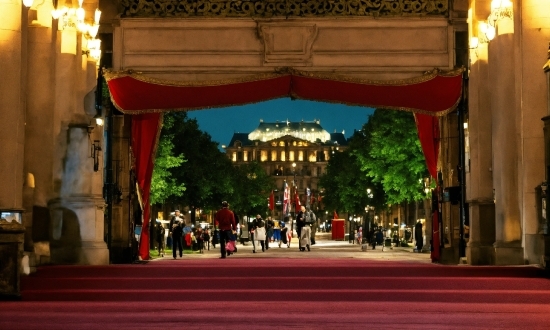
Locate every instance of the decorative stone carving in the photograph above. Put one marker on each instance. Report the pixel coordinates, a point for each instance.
(287, 44)
(282, 8)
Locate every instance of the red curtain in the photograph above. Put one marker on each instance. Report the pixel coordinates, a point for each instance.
(434, 93)
(145, 130)
(428, 133)
(428, 96)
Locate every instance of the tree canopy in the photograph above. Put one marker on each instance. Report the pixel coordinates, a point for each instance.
(389, 152)
(163, 184)
(206, 176)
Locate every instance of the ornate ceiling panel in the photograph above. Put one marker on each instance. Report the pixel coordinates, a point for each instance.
(283, 8)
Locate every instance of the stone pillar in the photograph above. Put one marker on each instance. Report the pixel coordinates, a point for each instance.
(11, 106)
(502, 78)
(77, 216)
(534, 97)
(479, 194)
(428, 224)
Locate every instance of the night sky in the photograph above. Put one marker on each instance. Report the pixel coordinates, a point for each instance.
(222, 123)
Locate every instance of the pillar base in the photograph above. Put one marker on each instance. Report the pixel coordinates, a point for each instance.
(93, 253)
(508, 253)
(77, 231)
(478, 254)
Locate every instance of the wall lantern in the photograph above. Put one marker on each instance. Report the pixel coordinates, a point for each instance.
(95, 149)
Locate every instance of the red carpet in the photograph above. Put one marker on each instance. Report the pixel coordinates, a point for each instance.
(257, 293)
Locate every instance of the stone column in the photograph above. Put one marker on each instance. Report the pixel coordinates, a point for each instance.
(77, 216)
(76, 205)
(479, 194)
(508, 248)
(11, 106)
(534, 97)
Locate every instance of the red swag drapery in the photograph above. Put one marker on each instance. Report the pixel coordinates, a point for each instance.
(433, 94)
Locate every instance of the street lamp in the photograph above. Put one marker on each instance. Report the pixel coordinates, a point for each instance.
(295, 188)
(366, 223)
(356, 227)
(350, 235)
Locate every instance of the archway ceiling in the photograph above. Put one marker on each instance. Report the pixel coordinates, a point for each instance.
(435, 93)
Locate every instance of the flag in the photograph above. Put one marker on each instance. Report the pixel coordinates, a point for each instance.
(285, 199)
(297, 199)
(271, 201)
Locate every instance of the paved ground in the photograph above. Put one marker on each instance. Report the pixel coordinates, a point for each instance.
(325, 248)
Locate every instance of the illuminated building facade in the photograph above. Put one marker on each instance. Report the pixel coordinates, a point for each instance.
(280, 145)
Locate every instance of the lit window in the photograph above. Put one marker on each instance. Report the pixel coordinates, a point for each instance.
(273, 156)
(234, 157)
(245, 156)
(291, 156)
(263, 155)
(300, 156)
(283, 156)
(282, 143)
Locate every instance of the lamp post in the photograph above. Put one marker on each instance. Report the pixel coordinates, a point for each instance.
(366, 223)
(295, 186)
(350, 236)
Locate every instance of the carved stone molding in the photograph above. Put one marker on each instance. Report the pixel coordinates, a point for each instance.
(287, 44)
(283, 8)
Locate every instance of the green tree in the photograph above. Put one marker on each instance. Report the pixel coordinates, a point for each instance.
(251, 189)
(207, 171)
(389, 152)
(345, 185)
(163, 185)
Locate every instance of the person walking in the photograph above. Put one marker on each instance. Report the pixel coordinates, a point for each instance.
(225, 220)
(160, 238)
(269, 224)
(176, 233)
(380, 237)
(304, 221)
(277, 233)
(206, 238)
(285, 233)
(237, 222)
(359, 237)
(259, 235)
(418, 237)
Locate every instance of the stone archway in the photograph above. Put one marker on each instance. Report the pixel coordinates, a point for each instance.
(217, 45)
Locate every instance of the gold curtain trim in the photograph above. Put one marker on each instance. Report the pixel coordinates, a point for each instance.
(406, 109)
(428, 75)
(279, 72)
(110, 75)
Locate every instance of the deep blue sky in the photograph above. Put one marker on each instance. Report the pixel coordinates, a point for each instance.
(222, 123)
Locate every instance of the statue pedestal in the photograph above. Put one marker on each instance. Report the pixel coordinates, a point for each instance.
(11, 251)
(77, 231)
